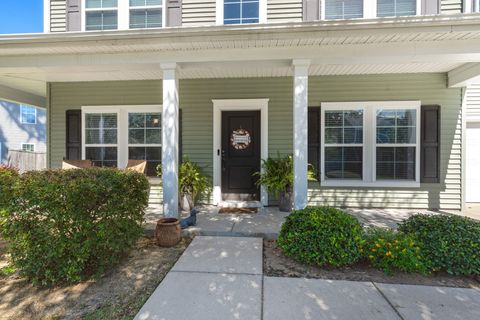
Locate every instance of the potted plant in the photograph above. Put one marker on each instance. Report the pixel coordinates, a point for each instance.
(192, 183)
(277, 177)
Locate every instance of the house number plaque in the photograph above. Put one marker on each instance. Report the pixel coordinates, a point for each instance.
(240, 139)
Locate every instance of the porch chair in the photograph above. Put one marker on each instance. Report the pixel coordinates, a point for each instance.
(136, 165)
(76, 164)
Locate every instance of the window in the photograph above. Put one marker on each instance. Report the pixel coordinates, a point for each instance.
(370, 144)
(30, 147)
(241, 11)
(343, 9)
(343, 144)
(396, 142)
(101, 15)
(389, 8)
(28, 115)
(145, 139)
(101, 136)
(145, 14)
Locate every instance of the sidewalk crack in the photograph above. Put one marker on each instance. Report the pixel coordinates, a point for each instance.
(388, 301)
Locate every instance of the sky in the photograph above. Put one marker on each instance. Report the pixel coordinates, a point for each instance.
(21, 16)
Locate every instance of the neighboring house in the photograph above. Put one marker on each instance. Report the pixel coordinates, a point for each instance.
(22, 127)
(371, 92)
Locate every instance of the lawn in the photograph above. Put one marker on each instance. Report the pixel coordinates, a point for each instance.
(117, 295)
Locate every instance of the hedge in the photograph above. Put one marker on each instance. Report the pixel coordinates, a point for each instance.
(322, 236)
(70, 225)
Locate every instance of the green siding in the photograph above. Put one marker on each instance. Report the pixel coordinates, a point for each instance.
(197, 112)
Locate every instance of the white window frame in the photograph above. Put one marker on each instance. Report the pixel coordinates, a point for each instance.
(341, 107)
(123, 15)
(161, 6)
(262, 12)
(21, 114)
(370, 9)
(30, 144)
(122, 127)
(370, 143)
(158, 145)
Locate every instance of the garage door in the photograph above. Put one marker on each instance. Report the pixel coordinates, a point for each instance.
(473, 162)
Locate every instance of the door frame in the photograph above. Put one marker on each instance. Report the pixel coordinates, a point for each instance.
(220, 105)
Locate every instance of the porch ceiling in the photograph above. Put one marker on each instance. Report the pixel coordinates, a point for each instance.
(406, 45)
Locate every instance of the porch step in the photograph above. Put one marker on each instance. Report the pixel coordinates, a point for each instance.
(240, 204)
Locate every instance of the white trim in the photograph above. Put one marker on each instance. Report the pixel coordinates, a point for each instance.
(262, 12)
(220, 105)
(21, 114)
(122, 112)
(28, 143)
(369, 143)
(46, 16)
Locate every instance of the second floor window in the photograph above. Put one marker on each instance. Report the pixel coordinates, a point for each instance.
(393, 8)
(145, 14)
(343, 9)
(28, 115)
(241, 11)
(101, 14)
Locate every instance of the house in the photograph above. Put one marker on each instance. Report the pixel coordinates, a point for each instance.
(22, 127)
(372, 93)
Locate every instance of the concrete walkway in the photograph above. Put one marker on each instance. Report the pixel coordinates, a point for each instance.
(222, 278)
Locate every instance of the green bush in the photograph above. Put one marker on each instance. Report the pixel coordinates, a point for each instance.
(8, 178)
(392, 250)
(322, 236)
(69, 225)
(450, 243)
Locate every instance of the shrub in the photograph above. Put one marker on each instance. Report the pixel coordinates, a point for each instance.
(69, 225)
(450, 243)
(322, 236)
(389, 250)
(8, 177)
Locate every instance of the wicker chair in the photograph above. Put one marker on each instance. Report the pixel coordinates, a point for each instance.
(136, 165)
(76, 164)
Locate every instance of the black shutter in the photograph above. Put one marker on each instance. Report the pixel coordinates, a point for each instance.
(180, 139)
(74, 20)
(73, 147)
(314, 138)
(430, 144)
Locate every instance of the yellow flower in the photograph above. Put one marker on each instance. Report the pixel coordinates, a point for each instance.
(370, 257)
(388, 253)
(378, 245)
(374, 250)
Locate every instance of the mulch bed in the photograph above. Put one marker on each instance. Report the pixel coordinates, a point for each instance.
(238, 210)
(276, 264)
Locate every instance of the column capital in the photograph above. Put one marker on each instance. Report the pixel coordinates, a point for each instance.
(301, 62)
(166, 66)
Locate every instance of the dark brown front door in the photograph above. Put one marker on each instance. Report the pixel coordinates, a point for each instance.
(240, 154)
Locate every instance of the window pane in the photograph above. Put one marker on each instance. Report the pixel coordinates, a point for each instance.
(343, 9)
(153, 120)
(153, 136)
(353, 118)
(138, 19)
(333, 135)
(153, 155)
(101, 128)
(154, 18)
(389, 8)
(144, 128)
(102, 156)
(101, 20)
(136, 136)
(353, 135)
(396, 163)
(333, 118)
(136, 3)
(101, 4)
(344, 163)
(136, 120)
(396, 126)
(240, 11)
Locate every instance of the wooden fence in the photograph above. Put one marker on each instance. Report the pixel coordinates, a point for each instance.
(27, 161)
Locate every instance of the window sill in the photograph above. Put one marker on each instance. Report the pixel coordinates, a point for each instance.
(364, 184)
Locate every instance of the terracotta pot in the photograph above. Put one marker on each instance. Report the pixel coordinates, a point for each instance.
(168, 232)
(186, 201)
(285, 201)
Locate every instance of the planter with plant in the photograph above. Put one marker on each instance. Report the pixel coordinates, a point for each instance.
(192, 183)
(277, 177)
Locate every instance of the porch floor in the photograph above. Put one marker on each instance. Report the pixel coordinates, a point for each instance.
(268, 221)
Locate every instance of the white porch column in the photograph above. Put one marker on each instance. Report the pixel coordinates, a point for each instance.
(170, 132)
(300, 133)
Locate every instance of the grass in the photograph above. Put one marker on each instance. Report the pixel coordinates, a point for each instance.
(6, 271)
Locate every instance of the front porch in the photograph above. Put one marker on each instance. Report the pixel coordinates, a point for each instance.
(267, 222)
